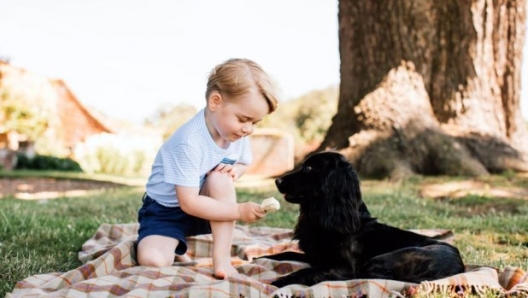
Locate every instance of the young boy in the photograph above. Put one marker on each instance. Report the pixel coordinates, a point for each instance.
(191, 188)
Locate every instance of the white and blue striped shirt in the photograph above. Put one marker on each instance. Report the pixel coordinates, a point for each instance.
(187, 156)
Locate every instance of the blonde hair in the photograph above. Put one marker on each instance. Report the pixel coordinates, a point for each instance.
(237, 76)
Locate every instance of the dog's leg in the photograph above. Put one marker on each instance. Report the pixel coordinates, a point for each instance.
(298, 277)
(311, 276)
(287, 256)
(416, 264)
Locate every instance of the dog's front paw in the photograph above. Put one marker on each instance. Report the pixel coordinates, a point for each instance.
(279, 283)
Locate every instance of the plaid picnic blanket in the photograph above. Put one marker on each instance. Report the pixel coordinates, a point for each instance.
(110, 270)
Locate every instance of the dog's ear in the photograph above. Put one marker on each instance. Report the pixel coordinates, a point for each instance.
(342, 199)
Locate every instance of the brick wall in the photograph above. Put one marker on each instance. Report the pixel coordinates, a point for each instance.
(76, 123)
(69, 122)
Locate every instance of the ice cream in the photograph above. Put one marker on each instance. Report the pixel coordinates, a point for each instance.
(270, 205)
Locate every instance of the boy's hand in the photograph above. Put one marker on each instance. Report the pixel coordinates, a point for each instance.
(226, 169)
(250, 212)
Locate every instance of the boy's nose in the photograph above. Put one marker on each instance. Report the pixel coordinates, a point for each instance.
(247, 129)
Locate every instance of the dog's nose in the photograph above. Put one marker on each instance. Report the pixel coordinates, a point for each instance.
(278, 181)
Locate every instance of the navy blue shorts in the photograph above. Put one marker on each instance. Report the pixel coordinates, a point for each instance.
(156, 219)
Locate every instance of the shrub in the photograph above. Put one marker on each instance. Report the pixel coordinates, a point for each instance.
(307, 118)
(117, 154)
(46, 162)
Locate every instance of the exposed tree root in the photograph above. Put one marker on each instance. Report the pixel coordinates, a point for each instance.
(398, 135)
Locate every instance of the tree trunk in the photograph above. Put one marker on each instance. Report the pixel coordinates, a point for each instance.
(430, 87)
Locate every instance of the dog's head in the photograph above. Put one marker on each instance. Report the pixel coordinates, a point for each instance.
(327, 188)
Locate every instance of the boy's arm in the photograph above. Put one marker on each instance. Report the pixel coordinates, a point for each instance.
(239, 169)
(234, 171)
(191, 202)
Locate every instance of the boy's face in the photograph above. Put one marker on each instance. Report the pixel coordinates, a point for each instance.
(236, 117)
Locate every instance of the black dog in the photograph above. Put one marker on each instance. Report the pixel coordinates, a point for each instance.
(340, 239)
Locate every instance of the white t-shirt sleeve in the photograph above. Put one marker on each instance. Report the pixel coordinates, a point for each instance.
(181, 165)
(246, 155)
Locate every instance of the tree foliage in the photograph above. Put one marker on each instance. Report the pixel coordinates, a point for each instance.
(19, 115)
(307, 117)
(170, 117)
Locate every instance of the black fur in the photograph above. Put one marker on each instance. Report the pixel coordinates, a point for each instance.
(340, 239)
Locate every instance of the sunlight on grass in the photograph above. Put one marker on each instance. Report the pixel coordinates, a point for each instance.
(43, 236)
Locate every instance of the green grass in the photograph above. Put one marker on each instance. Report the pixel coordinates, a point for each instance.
(128, 180)
(38, 237)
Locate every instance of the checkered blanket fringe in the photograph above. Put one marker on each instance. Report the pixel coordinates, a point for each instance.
(110, 270)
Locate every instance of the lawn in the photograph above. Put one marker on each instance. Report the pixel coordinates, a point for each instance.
(42, 236)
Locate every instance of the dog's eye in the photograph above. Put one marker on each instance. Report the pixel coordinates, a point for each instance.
(307, 168)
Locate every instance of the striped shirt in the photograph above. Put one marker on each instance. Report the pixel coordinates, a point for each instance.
(186, 157)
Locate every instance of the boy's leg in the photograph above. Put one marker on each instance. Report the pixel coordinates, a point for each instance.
(156, 251)
(221, 187)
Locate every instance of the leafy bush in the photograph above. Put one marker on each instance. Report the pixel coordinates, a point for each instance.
(22, 113)
(117, 154)
(307, 118)
(45, 162)
(168, 118)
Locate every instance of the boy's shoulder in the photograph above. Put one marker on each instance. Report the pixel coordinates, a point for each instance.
(193, 133)
(195, 125)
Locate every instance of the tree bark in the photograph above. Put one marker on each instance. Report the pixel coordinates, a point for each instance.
(430, 87)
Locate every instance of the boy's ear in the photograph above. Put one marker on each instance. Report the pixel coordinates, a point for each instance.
(215, 99)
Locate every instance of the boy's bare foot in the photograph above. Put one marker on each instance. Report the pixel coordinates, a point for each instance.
(223, 271)
(183, 258)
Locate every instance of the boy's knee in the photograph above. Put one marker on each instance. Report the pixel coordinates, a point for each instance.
(154, 259)
(216, 180)
(218, 185)
(156, 251)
